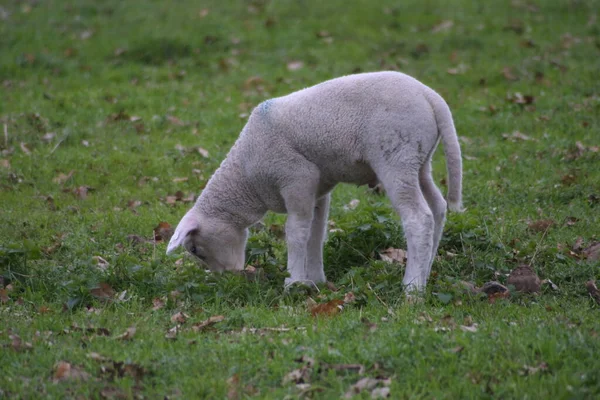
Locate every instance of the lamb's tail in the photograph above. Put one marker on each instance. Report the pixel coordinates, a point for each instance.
(447, 131)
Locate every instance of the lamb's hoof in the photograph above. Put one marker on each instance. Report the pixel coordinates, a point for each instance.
(414, 298)
(306, 284)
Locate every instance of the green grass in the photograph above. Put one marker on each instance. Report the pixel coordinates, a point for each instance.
(82, 69)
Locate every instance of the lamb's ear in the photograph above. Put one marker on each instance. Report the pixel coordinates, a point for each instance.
(188, 224)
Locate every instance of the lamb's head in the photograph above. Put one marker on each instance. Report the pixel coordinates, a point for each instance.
(218, 244)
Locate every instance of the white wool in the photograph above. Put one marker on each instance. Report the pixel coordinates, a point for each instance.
(360, 129)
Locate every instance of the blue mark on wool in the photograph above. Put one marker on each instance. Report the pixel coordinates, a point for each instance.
(265, 106)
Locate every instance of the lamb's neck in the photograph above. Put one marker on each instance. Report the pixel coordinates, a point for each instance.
(229, 196)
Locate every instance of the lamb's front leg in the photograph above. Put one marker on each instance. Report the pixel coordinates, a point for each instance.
(297, 229)
(318, 233)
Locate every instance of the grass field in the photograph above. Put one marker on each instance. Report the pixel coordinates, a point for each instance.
(114, 114)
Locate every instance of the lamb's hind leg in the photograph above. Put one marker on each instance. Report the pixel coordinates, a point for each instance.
(401, 183)
(438, 206)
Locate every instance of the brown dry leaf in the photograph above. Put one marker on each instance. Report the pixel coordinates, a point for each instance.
(81, 192)
(516, 136)
(163, 232)
(172, 333)
(541, 225)
(48, 137)
(181, 179)
(203, 152)
(62, 178)
(5, 163)
(200, 326)
(204, 12)
(233, 387)
(18, 345)
(524, 279)
(592, 252)
(508, 74)
(97, 357)
(330, 308)
(519, 98)
(443, 26)
(458, 70)
(366, 384)
(295, 65)
(175, 120)
(469, 328)
(65, 371)
(593, 290)
(101, 263)
(157, 303)
(103, 291)
(494, 290)
(529, 370)
(392, 255)
(349, 298)
(128, 334)
(25, 149)
(4, 296)
(179, 317)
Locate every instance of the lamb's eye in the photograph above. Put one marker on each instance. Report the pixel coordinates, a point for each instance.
(194, 251)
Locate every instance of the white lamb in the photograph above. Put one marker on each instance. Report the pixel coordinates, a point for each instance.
(359, 129)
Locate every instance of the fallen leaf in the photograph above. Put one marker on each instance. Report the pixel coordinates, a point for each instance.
(163, 232)
(592, 252)
(330, 308)
(349, 298)
(172, 333)
(201, 326)
(18, 345)
(529, 370)
(458, 70)
(128, 334)
(203, 152)
(524, 279)
(48, 137)
(295, 65)
(175, 120)
(101, 263)
(298, 376)
(516, 135)
(593, 290)
(103, 291)
(471, 328)
(380, 393)
(494, 290)
(62, 178)
(179, 317)
(233, 387)
(392, 255)
(365, 384)
(4, 296)
(157, 303)
(442, 26)
(542, 225)
(5, 163)
(65, 371)
(97, 357)
(508, 74)
(182, 179)
(25, 149)
(518, 98)
(81, 192)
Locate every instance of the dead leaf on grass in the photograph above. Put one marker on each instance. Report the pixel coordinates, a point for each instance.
(128, 334)
(367, 384)
(524, 279)
(25, 148)
(4, 296)
(295, 65)
(172, 333)
(529, 370)
(516, 136)
(392, 255)
(5, 163)
(443, 26)
(100, 262)
(592, 252)
(157, 303)
(201, 326)
(203, 152)
(163, 232)
(62, 178)
(593, 290)
(330, 308)
(19, 345)
(66, 371)
(103, 292)
(179, 317)
(541, 225)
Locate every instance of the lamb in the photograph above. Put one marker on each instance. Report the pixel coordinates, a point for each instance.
(359, 129)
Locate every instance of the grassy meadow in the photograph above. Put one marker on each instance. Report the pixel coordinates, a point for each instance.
(114, 114)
